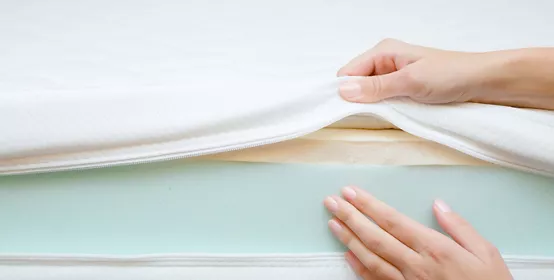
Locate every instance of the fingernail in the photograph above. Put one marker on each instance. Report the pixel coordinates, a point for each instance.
(351, 91)
(331, 204)
(442, 206)
(349, 193)
(335, 227)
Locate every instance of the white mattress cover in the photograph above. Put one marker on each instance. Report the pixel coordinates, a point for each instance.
(89, 84)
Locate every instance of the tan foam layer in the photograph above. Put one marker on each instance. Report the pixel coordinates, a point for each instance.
(354, 146)
(363, 122)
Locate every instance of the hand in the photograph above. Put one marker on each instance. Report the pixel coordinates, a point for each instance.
(424, 74)
(397, 248)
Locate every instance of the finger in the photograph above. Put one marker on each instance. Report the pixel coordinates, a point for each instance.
(364, 64)
(361, 65)
(365, 263)
(376, 88)
(400, 52)
(374, 238)
(408, 231)
(463, 233)
(359, 268)
(355, 264)
(375, 64)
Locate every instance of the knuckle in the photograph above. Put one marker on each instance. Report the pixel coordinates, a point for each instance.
(362, 204)
(347, 216)
(373, 85)
(374, 269)
(374, 245)
(378, 84)
(417, 270)
(460, 222)
(389, 224)
(437, 253)
(492, 252)
(416, 85)
(347, 239)
(390, 219)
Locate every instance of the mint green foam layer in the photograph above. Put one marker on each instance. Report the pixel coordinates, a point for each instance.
(223, 207)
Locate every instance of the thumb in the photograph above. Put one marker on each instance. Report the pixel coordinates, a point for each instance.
(375, 88)
(462, 232)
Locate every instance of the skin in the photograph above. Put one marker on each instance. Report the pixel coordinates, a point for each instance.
(519, 78)
(395, 247)
(392, 246)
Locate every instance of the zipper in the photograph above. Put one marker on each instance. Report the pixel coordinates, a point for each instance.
(337, 110)
(184, 155)
(324, 95)
(389, 113)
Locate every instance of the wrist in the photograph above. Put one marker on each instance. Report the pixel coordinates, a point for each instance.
(519, 78)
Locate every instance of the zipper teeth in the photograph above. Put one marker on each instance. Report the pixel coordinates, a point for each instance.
(183, 155)
(396, 120)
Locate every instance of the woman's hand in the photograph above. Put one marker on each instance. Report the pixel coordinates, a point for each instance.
(521, 78)
(395, 247)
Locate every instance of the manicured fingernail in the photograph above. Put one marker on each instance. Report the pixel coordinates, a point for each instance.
(443, 207)
(331, 204)
(351, 91)
(335, 227)
(349, 193)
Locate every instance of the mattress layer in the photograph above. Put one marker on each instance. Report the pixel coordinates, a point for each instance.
(354, 146)
(218, 207)
(363, 122)
(148, 220)
(245, 267)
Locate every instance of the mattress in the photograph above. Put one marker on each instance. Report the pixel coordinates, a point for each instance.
(342, 146)
(209, 99)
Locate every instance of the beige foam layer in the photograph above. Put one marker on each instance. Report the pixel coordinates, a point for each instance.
(354, 146)
(363, 122)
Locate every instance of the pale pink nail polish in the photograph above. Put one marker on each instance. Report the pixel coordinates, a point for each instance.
(335, 227)
(331, 204)
(349, 193)
(442, 206)
(351, 91)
